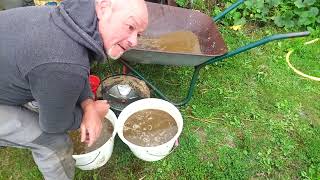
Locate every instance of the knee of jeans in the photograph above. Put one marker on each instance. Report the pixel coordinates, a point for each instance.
(65, 149)
(53, 148)
(61, 144)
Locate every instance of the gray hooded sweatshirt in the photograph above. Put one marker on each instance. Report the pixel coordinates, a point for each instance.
(44, 56)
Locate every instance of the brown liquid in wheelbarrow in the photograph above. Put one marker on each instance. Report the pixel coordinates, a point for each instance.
(150, 127)
(179, 41)
(82, 148)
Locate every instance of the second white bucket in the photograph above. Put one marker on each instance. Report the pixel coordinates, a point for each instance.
(150, 153)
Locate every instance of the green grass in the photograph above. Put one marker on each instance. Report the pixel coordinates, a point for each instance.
(251, 117)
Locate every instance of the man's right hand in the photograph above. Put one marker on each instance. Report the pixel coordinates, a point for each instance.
(93, 114)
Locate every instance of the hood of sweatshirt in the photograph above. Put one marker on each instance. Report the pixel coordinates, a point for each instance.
(78, 19)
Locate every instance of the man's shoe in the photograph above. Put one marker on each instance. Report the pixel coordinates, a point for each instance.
(33, 106)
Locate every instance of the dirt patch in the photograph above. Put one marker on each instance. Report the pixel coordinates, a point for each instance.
(229, 141)
(200, 133)
(307, 114)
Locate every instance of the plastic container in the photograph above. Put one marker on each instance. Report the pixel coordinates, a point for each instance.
(100, 156)
(94, 83)
(154, 153)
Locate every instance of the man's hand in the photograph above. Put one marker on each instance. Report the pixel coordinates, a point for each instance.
(93, 114)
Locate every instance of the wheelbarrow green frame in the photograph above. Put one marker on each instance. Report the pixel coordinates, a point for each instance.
(197, 68)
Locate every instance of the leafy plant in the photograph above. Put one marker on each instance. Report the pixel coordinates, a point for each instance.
(283, 13)
(304, 13)
(182, 3)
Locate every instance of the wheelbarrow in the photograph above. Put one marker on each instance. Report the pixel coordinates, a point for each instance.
(211, 48)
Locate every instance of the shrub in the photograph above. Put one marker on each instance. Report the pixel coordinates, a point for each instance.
(283, 13)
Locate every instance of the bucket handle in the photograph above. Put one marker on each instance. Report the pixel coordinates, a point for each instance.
(176, 144)
(93, 158)
(91, 161)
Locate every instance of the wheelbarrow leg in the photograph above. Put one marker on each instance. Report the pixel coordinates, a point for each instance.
(159, 93)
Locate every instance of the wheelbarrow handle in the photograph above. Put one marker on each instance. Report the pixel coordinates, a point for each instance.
(255, 44)
(226, 11)
(290, 35)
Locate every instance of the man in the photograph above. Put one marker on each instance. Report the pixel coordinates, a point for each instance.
(44, 56)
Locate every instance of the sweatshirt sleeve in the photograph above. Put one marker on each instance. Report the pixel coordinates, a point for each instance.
(86, 92)
(59, 89)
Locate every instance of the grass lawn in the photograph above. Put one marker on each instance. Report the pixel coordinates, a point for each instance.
(251, 117)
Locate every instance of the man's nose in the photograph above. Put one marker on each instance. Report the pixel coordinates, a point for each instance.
(133, 39)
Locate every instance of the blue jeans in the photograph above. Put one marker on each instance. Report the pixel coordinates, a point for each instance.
(19, 127)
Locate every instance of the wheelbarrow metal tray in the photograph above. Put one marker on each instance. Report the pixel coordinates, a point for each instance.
(164, 19)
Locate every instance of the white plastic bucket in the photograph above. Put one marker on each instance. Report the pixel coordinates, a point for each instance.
(154, 153)
(100, 156)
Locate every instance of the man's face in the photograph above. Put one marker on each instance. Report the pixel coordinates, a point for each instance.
(120, 25)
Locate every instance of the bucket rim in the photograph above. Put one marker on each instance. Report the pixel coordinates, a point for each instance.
(153, 100)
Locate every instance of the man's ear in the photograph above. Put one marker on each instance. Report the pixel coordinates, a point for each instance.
(104, 8)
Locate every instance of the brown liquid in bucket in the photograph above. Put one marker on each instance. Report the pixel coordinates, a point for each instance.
(82, 148)
(150, 127)
(179, 41)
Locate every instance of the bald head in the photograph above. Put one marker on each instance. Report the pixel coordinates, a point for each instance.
(120, 22)
(136, 8)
